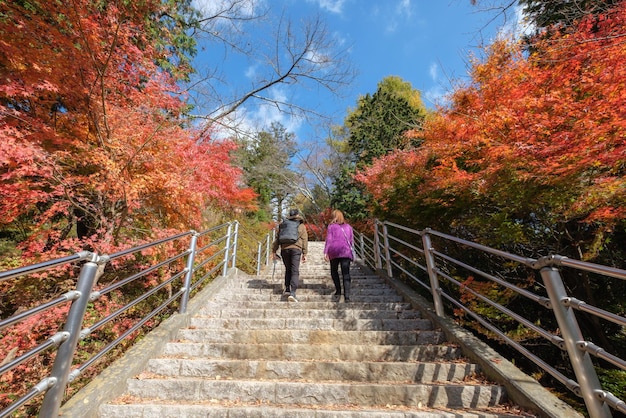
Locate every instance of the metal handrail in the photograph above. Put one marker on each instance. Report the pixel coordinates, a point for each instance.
(410, 253)
(46, 265)
(182, 268)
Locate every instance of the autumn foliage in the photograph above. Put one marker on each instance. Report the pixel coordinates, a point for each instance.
(530, 153)
(94, 143)
(96, 152)
(529, 157)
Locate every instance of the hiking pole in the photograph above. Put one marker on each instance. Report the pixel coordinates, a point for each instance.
(274, 270)
(276, 258)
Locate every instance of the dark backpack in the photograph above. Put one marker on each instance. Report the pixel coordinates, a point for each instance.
(288, 231)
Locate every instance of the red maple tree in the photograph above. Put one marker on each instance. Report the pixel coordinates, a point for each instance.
(94, 143)
(536, 141)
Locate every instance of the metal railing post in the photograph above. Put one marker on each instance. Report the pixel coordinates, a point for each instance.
(432, 273)
(377, 258)
(226, 259)
(235, 243)
(268, 249)
(61, 368)
(190, 271)
(258, 259)
(584, 369)
(387, 252)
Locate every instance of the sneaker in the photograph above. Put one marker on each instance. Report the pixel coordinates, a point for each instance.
(292, 298)
(286, 292)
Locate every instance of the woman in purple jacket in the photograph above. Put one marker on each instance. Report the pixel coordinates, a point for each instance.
(338, 249)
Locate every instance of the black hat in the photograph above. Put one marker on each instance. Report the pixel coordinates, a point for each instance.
(293, 212)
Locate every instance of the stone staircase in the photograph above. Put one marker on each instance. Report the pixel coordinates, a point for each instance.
(250, 353)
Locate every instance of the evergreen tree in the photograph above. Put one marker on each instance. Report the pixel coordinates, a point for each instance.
(545, 13)
(266, 164)
(377, 125)
(374, 129)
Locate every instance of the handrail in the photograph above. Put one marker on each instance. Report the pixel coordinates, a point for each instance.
(46, 265)
(188, 260)
(193, 257)
(398, 250)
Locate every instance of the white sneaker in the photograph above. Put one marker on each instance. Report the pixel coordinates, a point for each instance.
(292, 298)
(286, 292)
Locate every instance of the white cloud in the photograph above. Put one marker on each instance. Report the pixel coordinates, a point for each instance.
(433, 71)
(403, 8)
(333, 6)
(392, 26)
(401, 13)
(259, 115)
(213, 7)
(518, 27)
(251, 72)
(436, 95)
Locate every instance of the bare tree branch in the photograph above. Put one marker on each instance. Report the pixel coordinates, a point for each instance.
(305, 55)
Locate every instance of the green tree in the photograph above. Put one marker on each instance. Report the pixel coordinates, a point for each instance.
(379, 121)
(377, 127)
(545, 16)
(266, 164)
(545, 13)
(349, 195)
(344, 194)
(171, 31)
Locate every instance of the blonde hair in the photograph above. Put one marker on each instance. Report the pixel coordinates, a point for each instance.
(338, 217)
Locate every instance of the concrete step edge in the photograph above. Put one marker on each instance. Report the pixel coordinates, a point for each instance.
(213, 408)
(344, 314)
(311, 306)
(299, 322)
(316, 370)
(265, 297)
(418, 337)
(340, 352)
(448, 395)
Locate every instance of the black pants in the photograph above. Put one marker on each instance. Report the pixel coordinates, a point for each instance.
(291, 260)
(345, 273)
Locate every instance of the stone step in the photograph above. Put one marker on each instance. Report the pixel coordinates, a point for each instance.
(314, 271)
(315, 277)
(321, 275)
(250, 353)
(277, 311)
(304, 307)
(303, 336)
(322, 294)
(321, 288)
(313, 370)
(325, 282)
(214, 408)
(448, 395)
(304, 297)
(298, 322)
(341, 352)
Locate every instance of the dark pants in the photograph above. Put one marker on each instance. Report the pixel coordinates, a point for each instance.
(291, 260)
(345, 272)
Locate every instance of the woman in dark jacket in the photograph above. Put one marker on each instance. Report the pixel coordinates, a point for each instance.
(292, 254)
(338, 250)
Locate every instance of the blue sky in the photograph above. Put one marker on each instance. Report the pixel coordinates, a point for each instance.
(427, 43)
